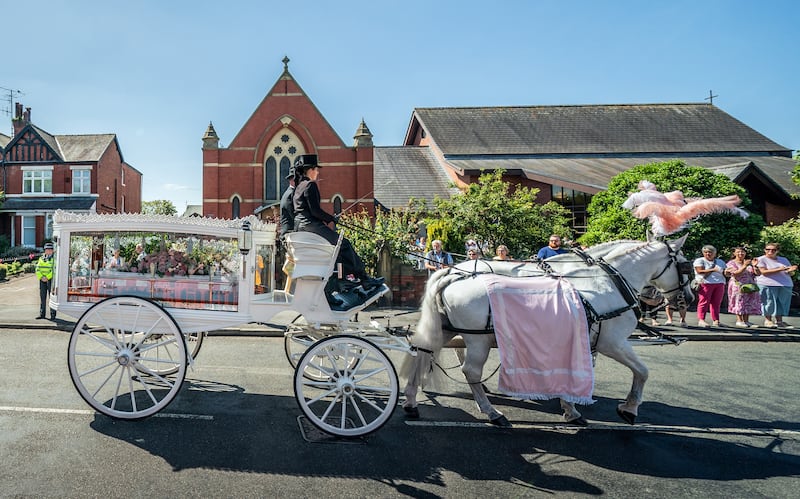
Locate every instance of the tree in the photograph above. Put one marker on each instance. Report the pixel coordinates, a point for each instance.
(395, 230)
(609, 221)
(159, 207)
(494, 212)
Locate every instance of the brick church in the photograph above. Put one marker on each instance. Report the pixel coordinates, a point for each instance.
(249, 176)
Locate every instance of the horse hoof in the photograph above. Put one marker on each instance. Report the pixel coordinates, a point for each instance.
(626, 416)
(411, 412)
(579, 421)
(502, 422)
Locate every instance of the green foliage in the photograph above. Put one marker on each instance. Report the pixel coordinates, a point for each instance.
(29, 268)
(395, 231)
(441, 229)
(4, 244)
(159, 207)
(609, 221)
(3, 271)
(495, 212)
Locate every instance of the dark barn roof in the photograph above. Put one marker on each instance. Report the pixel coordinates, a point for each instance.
(407, 171)
(591, 129)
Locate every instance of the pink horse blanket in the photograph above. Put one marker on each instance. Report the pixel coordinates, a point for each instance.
(542, 338)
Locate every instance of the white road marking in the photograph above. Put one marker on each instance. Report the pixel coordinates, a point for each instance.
(560, 427)
(89, 412)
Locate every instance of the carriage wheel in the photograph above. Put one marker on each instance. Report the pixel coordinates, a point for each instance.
(119, 353)
(359, 393)
(193, 343)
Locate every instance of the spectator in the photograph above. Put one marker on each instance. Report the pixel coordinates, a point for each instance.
(502, 253)
(650, 300)
(437, 258)
(743, 297)
(115, 262)
(553, 248)
(472, 254)
(708, 271)
(775, 282)
(673, 305)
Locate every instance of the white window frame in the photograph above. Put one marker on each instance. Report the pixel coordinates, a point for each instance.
(81, 171)
(40, 176)
(28, 231)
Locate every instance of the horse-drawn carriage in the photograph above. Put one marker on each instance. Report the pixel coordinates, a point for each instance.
(141, 323)
(142, 317)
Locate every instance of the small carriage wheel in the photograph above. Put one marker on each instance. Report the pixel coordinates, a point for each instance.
(295, 343)
(360, 392)
(118, 352)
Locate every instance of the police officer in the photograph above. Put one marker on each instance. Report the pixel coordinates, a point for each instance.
(44, 274)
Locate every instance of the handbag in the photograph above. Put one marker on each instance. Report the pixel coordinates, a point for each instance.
(695, 284)
(748, 288)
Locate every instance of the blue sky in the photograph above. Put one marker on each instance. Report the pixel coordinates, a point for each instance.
(156, 72)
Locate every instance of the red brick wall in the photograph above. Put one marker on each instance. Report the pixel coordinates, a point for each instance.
(239, 168)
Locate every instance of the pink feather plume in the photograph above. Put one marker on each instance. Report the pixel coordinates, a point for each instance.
(668, 213)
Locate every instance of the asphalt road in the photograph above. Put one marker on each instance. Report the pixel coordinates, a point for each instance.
(720, 419)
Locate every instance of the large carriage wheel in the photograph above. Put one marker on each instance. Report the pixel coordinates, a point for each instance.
(359, 393)
(193, 343)
(295, 343)
(119, 353)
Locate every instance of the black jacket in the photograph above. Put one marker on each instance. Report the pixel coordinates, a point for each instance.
(287, 210)
(307, 209)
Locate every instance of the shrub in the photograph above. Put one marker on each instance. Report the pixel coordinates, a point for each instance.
(3, 271)
(29, 268)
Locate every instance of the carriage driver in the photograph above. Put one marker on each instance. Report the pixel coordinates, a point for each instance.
(310, 217)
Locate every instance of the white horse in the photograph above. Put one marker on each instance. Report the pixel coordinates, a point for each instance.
(454, 303)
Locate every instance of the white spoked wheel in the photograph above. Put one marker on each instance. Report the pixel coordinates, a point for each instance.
(359, 393)
(127, 357)
(193, 343)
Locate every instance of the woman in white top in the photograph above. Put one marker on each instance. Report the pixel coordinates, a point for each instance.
(775, 285)
(708, 270)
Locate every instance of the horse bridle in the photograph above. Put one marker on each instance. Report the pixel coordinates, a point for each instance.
(684, 270)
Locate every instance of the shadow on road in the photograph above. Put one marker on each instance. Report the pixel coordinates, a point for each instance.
(258, 433)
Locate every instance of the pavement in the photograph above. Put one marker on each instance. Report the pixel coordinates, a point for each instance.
(19, 306)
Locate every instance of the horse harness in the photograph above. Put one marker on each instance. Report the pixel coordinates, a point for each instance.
(624, 288)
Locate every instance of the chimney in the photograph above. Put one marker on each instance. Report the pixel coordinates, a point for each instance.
(20, 118)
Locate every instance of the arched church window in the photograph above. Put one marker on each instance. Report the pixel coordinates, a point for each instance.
(270, 178)
(337, 204)
(235, 207)
(281, 152)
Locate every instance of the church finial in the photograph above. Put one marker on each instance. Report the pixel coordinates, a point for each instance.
(285, 64)
(210, 138)
(363, 137)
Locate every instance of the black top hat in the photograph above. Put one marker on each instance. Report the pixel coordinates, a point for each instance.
(306, 161)
(291, 173)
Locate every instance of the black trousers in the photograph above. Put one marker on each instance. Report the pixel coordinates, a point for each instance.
(351, 262)
(44, 291)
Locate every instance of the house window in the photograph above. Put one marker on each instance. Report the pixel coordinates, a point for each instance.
(337, 205)
(282, 149)
(48, 226)
(81, 181)
(37, 181)
(576, 202)
(28, 230)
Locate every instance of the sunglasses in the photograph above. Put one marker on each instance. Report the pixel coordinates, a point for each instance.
(770, 249)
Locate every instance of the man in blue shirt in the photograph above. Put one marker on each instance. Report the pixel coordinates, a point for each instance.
(553, 248)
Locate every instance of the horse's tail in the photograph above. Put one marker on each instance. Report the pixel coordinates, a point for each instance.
(428, 338)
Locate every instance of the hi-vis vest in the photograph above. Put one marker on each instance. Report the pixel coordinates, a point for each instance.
(44, 267)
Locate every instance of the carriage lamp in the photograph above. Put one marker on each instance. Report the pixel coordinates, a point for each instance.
(245, 244)
(245, 238)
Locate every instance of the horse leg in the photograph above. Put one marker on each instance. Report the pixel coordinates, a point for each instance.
(625, 355)
(571, 414)
(478, 347)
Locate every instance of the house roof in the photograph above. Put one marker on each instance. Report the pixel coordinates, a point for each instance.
(404, 171)
(67, 203)
(84, 147)
(593, 174)
(589, 129)
(4, 139)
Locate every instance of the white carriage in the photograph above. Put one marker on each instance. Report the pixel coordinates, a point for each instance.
(142, 317)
